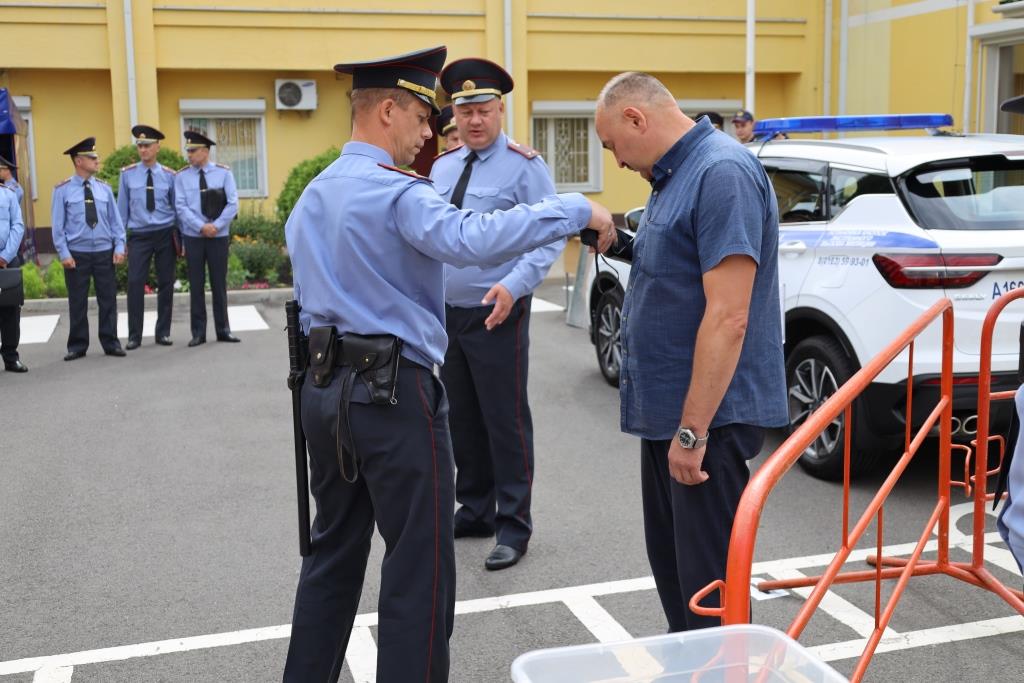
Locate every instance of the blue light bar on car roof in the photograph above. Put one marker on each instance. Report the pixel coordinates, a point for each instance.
(820, 124)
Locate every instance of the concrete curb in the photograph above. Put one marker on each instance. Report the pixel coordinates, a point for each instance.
(181, 300)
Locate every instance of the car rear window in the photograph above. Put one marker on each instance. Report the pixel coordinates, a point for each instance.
(979, 193)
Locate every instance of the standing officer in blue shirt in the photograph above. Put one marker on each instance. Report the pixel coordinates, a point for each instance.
(145, 198)
(367, 242)
(702, 366)
(89, 237)
(488, 317)
(206, 200)
(7, 178)
(12, 229)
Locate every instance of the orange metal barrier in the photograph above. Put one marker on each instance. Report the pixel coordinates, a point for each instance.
(735, 589)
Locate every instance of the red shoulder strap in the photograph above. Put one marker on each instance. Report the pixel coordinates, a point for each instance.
(411, 174)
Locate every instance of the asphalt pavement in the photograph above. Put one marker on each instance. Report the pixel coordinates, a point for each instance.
(148, 506)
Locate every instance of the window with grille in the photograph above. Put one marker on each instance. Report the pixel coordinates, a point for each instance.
(240, 145)
(571, 149)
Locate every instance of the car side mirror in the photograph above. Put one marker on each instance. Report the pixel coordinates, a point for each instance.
(633, 217)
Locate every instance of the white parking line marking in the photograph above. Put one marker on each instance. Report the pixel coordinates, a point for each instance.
(840, 609)
(60, 674)
(542, 306)
(241, 318)
(565, 595)
(361, 655)
(597, 619)
(37, 329)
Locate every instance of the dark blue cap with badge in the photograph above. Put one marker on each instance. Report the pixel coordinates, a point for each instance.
(446, 120)
(195, 140)
(415, 71)
(474, 80)
(1014, 105)
(7, 164)
(743, 115)
(146, 135)
(85, 148)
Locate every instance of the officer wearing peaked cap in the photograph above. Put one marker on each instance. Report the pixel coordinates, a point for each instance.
(88, 234)
(206, 200)
(7, 178)
(145, 198)
(12, 229)
(367, 242)
(447, 129)
(488, 318)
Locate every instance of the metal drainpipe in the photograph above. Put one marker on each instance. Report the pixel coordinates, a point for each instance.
(826, 80)
(751, 32)
(844, 51)
(129, 52)
(510, 114)
(968, 68)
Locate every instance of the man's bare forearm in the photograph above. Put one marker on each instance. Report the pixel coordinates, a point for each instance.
(717, 352)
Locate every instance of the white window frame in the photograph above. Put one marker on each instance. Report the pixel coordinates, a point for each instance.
(574, 109)
(24, 105)
(232, 109)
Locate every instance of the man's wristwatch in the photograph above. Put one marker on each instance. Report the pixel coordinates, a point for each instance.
(688, 439)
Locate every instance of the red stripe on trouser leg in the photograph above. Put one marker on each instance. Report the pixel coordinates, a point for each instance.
(437, 522)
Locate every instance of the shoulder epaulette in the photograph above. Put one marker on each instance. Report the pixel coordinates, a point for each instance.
(63, 182)
(411, 174)
(448, 151)
(101, 180)
(168, 169)
(6, 188)
(224, 166)
(129, 166)
(183, 168)
(528, 152)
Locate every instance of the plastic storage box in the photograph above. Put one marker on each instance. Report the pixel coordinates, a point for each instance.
(727, 654)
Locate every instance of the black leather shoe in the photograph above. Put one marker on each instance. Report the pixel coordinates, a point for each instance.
(133, 344)
(117, 352)
(196, 341)
(502, 557)
(74, 355)
(472, 531)
(228, 338)
(15, 366)
(164, 341)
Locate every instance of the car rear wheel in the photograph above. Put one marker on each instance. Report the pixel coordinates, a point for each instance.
(607, 328)
(815, 370)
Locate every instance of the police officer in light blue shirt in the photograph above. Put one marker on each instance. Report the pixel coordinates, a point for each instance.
(12, 229)
(145, 198)
(367, 242)
(206, 200)
(88, 235)
(488, 317)
(7, 178)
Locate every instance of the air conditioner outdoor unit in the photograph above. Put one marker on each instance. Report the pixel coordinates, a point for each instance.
(295, 94)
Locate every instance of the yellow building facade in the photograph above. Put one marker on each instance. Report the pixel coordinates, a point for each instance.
(95, 67)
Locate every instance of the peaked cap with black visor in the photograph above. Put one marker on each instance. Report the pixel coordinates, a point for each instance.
(414, 71)
(473, 80)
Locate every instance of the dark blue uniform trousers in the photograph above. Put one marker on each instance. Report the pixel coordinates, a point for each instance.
(10, 326)
(485, 374)
(687, 528)
(405, 485)
(97, 266)
(202, 253)
(143, 247)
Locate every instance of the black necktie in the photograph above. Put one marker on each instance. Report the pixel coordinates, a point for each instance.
(460, 187)
(90, 206)
(204, 202)
(150, 192)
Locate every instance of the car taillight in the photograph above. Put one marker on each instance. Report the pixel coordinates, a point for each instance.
(923, 271)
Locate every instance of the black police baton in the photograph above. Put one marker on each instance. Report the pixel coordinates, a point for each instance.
(296, 375)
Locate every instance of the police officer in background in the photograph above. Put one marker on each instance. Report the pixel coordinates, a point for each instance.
(206, 200)
(145, 198)
(12, 229)
(367, 242)
(488, 317)
(7, 178)
(89, 238)
(447, 128)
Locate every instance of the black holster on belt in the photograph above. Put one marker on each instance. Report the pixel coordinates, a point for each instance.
(373, 359)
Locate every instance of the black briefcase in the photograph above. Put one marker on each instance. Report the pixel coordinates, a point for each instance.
(216, 200)
(12, 292)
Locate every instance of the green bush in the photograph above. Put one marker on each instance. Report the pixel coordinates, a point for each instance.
(55, 285)
(299, 177)
(123, 156)
(258, 258)
(32, 281)
(253, 225)
(237, 274)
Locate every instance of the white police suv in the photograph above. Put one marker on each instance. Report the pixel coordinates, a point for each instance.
(873, 230)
